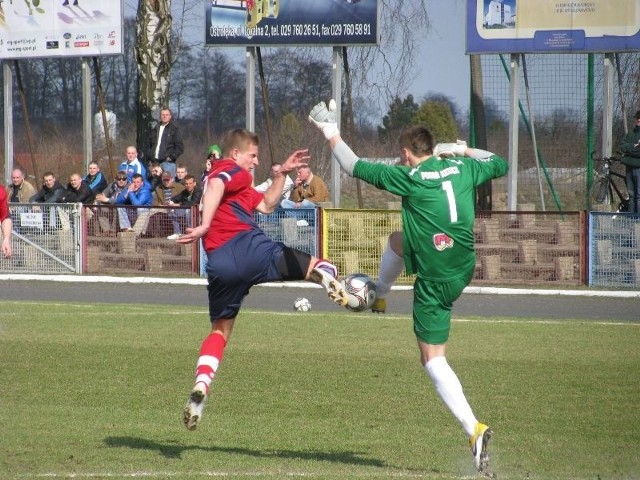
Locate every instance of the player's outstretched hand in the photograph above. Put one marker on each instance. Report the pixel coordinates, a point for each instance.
(192, 234)
(296, 159)
(325, 118)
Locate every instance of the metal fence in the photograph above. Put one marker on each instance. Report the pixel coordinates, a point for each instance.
(614, 249)
(525, 247)
(126, 240)
(556, 138)
(46, 239)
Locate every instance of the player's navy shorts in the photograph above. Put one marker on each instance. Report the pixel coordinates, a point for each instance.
(247, 259)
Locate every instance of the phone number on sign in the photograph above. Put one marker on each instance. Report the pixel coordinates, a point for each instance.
(315, 30)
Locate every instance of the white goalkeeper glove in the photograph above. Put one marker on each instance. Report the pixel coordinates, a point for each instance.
(444, 150)
(325, 118)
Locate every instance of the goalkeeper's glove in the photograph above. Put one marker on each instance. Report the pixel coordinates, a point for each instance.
(325, 118)
(443, 150)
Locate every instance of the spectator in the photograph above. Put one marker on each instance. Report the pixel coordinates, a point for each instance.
(109, 194)
(240, 255)
(155, 175)
(108, 197)
(214, 152)
(50, 192)
(169, 189)
(630, 148)
(95, 179)
(20, 190)
(181, 174)
(308, 191)
(132, 164)
(438, 216)
(6, 224)
(187, 198)
(165, 142)
(288, 183)
(77, 191)
(137, 195)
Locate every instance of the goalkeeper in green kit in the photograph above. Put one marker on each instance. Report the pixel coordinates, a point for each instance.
(437, 185)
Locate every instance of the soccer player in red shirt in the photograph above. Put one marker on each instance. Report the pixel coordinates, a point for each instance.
(6, 223)
(240, 255)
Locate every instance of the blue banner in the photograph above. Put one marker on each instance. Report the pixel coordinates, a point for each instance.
(291, 22)
(554, 26)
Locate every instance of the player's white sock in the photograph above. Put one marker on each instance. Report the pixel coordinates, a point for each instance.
(391, 266)
(450, 390)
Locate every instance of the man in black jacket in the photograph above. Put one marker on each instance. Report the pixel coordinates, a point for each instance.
(51, 190)
(77, 191)
(165, 143)
(630, 147)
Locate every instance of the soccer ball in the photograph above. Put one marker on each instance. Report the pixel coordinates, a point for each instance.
(302, 305)
(361, 292)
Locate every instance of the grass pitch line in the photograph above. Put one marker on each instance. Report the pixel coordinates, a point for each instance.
(253, 474)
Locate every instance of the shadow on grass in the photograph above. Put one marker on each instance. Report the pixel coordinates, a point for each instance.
(170, 450)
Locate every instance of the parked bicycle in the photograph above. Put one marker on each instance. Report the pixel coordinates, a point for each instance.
(605, 189)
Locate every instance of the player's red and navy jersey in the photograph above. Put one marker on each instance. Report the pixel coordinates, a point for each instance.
(4, 206)
(235, 212)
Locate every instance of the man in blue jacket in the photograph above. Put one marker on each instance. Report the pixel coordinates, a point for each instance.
(138, 195)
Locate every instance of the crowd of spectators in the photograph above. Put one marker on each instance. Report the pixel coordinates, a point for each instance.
(150, 182)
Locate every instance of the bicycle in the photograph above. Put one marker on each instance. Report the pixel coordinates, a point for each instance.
(604, 186)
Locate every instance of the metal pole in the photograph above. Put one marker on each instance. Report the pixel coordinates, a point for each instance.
(512, 178)
(533, 130)
(8, 120)
(607, 106)
(251, 89)
(336, 93)
(87, 137)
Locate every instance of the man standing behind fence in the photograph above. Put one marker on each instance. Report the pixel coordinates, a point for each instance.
(630, 147)
(165, 143)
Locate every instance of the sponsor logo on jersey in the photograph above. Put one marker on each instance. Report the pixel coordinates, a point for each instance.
(442, 241)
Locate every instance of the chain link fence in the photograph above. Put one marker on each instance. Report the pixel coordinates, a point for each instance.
(46, 239)
(556, 137)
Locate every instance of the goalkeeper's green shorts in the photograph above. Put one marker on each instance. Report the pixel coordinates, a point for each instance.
(432, 304)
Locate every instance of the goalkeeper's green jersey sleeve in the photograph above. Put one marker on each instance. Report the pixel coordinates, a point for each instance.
(438, 210)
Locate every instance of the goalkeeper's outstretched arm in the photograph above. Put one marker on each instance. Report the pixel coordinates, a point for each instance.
(325, 119)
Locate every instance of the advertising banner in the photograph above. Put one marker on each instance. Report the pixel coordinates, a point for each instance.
(557, 26)
(60, 28)
(291, 22)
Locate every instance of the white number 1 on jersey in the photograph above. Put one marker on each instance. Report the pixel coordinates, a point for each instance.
(451, 198)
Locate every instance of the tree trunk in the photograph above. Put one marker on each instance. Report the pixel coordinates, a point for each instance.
(153, 57)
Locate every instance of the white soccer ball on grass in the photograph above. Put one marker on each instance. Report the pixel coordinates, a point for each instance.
(302, 305)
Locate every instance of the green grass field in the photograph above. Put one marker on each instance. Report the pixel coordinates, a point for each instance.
(97, 391)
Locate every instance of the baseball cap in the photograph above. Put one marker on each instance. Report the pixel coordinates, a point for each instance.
(214, 149)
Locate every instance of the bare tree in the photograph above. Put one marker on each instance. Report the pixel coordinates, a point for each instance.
(385, 71)
(153, 57)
